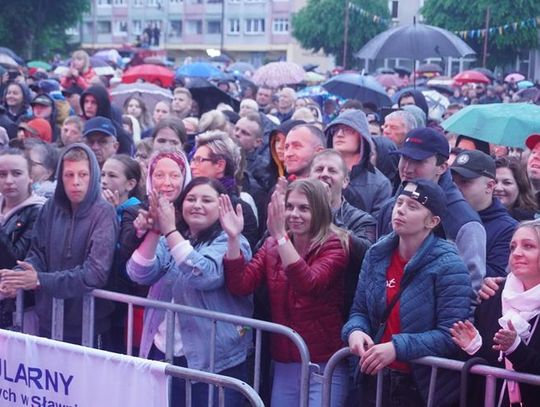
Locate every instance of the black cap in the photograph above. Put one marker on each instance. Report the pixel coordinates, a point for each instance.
(286, 126)
(472, 164)
(41, 100)
(428, 193)
(424, 142)
(99, 125)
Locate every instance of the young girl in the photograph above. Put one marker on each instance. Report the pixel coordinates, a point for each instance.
(136, 107)
(80, 73)
(303, 264)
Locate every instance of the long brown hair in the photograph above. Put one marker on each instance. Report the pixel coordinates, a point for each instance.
(321, 227)
(525, 198)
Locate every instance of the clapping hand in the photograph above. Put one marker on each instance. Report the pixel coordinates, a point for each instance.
(276, 216)
(463, 333)
(505, 338)
(231, 221)
(164, 210)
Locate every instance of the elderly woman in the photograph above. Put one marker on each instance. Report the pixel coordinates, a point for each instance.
(505, 331)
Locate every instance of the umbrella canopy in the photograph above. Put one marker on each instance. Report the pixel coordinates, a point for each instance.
(355, 86)
(440, 81)
(470, 77)
(98, 64)
(199, 70)
(514, 77)
(437, 103)
(529, 95)
(415, 41)
(155, 74)
(148, 92)
(241, 67)
(486, 72)
(7, 61)
(276, 74)
(402, 70)
(9, 52)
(507, 124)
(208, 95)
(389, 80)
(39, 65)
(525, 84)
(429, 68)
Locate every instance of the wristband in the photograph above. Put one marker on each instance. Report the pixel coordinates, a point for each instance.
(170, 233)
(282, 240)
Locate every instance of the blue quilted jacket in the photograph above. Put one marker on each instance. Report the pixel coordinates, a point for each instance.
(439, 294)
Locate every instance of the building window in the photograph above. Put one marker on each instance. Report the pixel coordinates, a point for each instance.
(280, 26)
(254, 26)
(120, 2)
(138, 3)
(194, 27)
(214, 27)
(136, 27)
(151, 3)
(120, 27)
(234, 1)
(214, 1)
(394, 11)
(103, 27)
(104, 2)
(175, 28)
(171, 2)
(88, 28)
(234, 26)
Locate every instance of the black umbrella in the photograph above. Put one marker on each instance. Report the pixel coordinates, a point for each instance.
(402, 70)
(10, 53)
(360, 87)
(415, 41)
(208, 95)
(486, 72)
(384, 71)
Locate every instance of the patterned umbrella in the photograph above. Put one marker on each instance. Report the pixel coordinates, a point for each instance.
(276, 74)
(7, 61)
(389, 80)
(148, 92)
(355, 86)
(514, 77)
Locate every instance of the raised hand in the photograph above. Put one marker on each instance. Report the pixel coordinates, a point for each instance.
(276, 216)
(463, 333)
(143, 223)
(111, 196)
(231, 221)
(505, 338)
(489, 287)
(165, 215)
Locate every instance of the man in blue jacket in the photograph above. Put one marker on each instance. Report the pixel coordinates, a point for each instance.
(424, 155)
(474, 174)
(72, 247)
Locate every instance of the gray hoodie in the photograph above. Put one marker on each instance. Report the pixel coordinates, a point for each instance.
(72, 251)
(368, 188)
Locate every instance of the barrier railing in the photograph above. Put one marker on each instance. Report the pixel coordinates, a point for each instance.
(489, 372)
(257, 325)
(217, 380)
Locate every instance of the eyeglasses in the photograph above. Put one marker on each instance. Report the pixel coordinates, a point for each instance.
(200, 160)
(345, 130)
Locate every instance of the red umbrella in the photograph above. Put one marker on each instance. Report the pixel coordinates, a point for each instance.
(155, 74)
(389, 80)
(470, 77)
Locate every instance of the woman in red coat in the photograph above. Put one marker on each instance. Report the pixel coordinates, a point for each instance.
(303, 264)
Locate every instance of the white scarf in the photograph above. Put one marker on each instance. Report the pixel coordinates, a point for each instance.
(519, 306)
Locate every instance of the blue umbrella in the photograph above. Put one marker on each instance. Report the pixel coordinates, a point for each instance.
(360, 87)
(199, 70)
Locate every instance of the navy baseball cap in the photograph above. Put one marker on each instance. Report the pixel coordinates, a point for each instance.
(472, 164)
(428, 193)
(99, 125)
(422, 143)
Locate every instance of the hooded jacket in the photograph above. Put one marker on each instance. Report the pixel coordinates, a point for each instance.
(52, 118)
(368, 188)
(105, 109)
(25, 109)
(419, 100)
(500, 228)
(72, 251)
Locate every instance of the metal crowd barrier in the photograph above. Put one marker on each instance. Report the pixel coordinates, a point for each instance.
(214, 379)
(170, 309)
(489, 372)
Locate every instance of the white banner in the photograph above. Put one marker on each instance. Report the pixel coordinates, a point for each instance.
(39, 372)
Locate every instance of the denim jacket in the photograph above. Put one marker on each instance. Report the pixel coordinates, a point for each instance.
(197, 282)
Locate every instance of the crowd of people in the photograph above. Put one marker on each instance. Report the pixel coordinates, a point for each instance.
(384, 234)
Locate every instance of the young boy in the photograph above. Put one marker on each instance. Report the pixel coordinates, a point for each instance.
(72, 248)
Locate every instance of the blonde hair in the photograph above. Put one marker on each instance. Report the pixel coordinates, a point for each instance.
(213, 120)
(303, 114)
(221, 146)
(85, 57)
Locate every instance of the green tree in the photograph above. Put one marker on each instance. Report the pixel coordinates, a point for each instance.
(34, 28)
(470, 15)
(320, 25)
